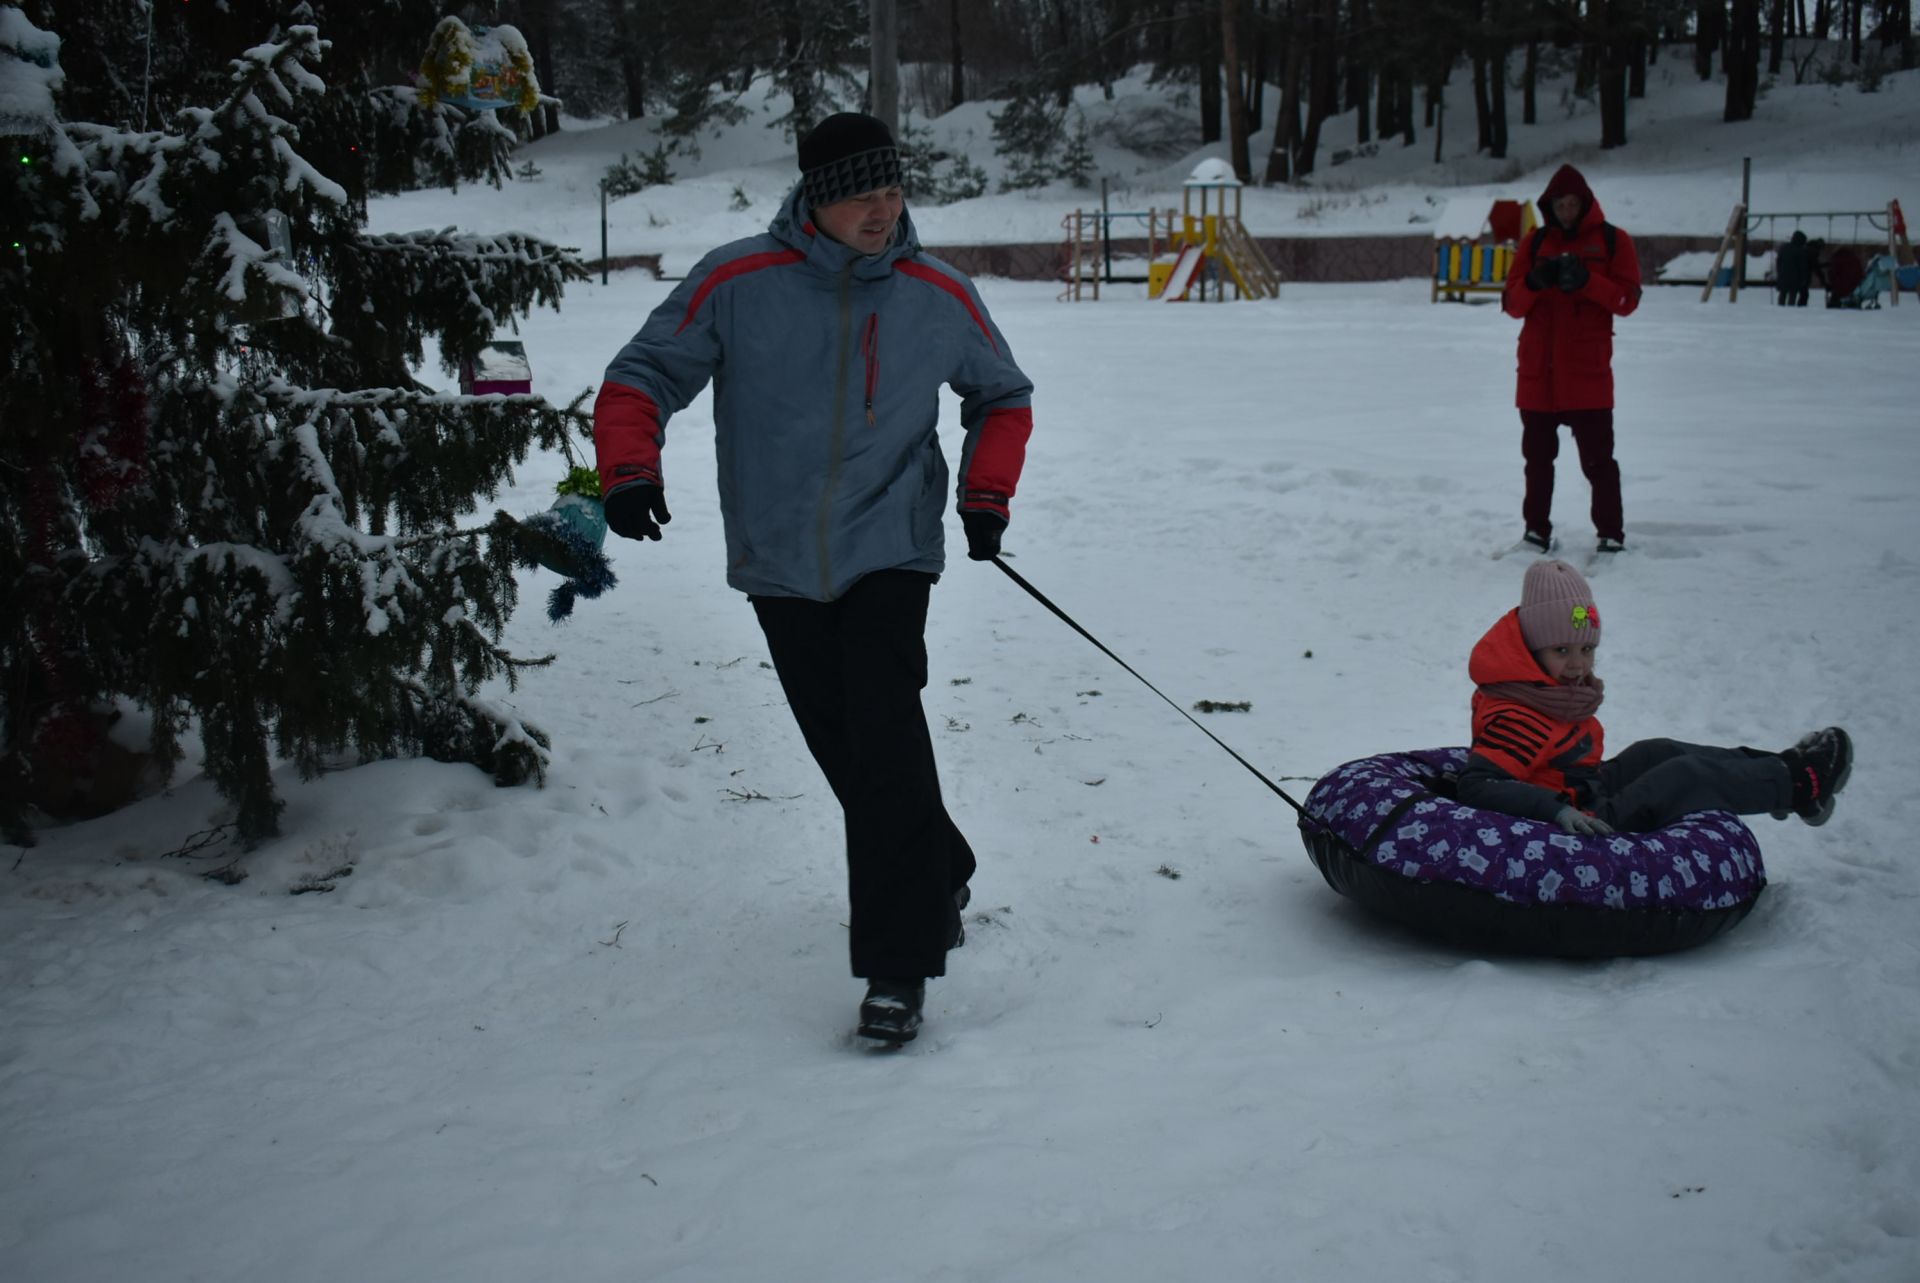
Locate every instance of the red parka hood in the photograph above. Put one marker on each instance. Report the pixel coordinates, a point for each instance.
(1565, 180)
(1502, 655)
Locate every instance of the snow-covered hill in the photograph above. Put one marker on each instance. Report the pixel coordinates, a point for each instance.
(1814, 147)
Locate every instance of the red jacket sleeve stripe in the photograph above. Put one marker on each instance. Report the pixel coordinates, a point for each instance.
(994, 470)
(626, 436)
(727, 271)
(935, 277)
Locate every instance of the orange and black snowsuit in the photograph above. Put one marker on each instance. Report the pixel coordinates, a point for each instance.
(1529, 764)
(1523, 761)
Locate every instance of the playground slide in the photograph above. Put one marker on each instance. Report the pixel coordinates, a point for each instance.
(1183, 269)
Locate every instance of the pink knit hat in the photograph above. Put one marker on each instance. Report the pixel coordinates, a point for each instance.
(1556, 607)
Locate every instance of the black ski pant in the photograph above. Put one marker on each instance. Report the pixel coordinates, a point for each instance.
(853, 670)
(1655, 782)
(1540, 446)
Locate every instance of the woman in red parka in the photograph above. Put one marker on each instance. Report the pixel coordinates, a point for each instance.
(1568, 281)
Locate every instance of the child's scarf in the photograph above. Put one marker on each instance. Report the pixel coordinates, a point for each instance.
(1561, 702)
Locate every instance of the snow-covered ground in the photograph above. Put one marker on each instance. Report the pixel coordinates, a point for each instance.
(600, 1031)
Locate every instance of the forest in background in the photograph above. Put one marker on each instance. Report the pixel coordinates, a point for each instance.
(1250, 65)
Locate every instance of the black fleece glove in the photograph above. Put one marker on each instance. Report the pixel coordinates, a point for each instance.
(637, 512)
(1544, 274)
(983, 533)
(1573, 272)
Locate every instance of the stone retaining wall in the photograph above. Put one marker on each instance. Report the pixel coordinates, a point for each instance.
(1299, 258)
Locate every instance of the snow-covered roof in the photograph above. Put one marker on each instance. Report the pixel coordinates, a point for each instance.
(1212, 172)
(502, 362)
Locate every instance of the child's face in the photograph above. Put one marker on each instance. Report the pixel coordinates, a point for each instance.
(1565, 663)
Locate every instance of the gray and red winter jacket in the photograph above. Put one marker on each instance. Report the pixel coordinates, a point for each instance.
(826, 369)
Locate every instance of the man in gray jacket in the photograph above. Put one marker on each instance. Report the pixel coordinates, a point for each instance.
(827, 339)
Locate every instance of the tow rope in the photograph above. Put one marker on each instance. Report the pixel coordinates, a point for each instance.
(1069, 621)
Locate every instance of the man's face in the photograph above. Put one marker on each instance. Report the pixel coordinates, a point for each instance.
(865, 222)
(1566, 209)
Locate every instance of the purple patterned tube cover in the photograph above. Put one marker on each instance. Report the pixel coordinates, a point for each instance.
(1707, 860)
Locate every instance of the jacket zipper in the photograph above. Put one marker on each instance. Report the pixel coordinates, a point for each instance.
(870, 349)
(838, 442)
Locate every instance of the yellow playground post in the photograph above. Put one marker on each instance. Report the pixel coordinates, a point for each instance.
(1211, 247)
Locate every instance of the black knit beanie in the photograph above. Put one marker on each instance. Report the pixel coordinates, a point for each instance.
(847, 154)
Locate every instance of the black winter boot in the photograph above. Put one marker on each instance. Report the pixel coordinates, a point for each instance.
(1819, 766)
(891, 1010)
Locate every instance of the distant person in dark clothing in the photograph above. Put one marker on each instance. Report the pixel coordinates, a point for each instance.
(1817, 262)
(1845, 271)
(1793, 271)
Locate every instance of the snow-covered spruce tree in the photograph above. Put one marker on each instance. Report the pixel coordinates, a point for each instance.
(222, 495)
(1026, 133)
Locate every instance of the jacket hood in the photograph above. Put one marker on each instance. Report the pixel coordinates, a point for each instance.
(793, 226)
(1568, 180)
(1502, 655)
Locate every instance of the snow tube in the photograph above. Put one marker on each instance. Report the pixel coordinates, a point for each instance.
(1387, 832)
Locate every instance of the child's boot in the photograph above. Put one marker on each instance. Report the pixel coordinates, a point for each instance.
(1819, 766)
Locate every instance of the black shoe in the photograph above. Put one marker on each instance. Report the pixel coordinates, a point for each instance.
(1534, 539)
(1607, 544)
(891, 1010)
(958, 935)
(1820, 765)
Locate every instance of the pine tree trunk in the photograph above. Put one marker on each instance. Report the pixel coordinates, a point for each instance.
(1482, 106)
(1236, 100)
(957, 81)
(1359, 75)
(1613, 96)
(536, 24)
(796, 77)
(1286, 126)
(1743, 60)
(1386, 111)
(1637, 59)
(1497, 143)
(1404, 98)
(1530, 86)
(1254, 72)
(1710, 24)
(883, 66)
(1210, 81)
(1777, 37)
(633, 67)
(1323, 83)
(1437, 114)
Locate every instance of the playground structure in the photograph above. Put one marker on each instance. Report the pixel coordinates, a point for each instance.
(1211, 248)
(1088, 254)
(1189, 254)
(1893, 271)
(1465, 265)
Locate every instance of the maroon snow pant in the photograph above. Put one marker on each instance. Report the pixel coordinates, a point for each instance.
(853, 670)
(1540, 445)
